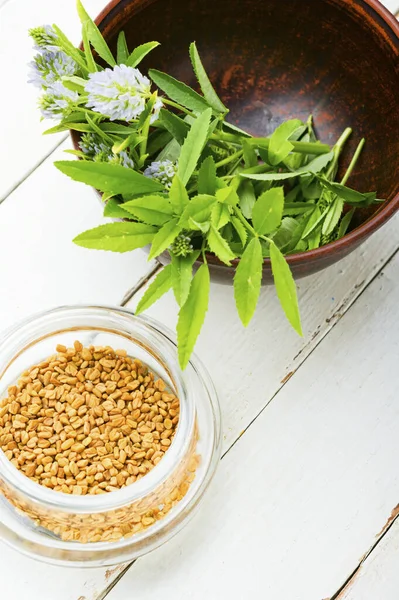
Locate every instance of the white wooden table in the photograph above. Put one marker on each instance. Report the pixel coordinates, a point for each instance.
(304, 505)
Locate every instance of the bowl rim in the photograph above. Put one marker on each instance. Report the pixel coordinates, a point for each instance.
(354, 237)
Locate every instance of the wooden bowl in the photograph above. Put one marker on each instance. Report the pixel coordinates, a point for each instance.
(272, 60)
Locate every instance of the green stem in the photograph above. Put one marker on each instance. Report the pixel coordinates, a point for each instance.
(339, 146)
(353, 161)
(315, 148)
(178, 106)
(229, 159)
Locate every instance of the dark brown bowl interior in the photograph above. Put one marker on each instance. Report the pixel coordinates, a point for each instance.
(272, 60)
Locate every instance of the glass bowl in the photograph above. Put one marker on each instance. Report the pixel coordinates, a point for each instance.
(116, 526)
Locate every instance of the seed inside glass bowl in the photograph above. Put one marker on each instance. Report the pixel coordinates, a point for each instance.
(87, 420)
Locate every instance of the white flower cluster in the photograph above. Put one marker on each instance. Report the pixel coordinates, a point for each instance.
(46, 71)
(120, 93)
(163, 171)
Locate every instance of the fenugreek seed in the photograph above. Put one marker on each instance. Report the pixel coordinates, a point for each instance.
(61, 348)
(67, 444)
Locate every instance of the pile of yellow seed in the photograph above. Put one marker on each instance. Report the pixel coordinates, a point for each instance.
(87, 420)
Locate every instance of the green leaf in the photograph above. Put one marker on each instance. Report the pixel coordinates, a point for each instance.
(74, 83)
(170, 152)
(250, 156)
(91, 63)
(247, 281)
(164, 237)
(333, 216)
(296, 208)
(157, 140)
(219, 246)
(178, 195)
(343, 226)
(182, 274)
(199, 226)
(107, 177)
(268, 211)
(98, 130)
(70, 49)
(207, 89)
(227, 195)
(193, 146)
(199, 209)
(94, 35)
(140, 52)
(220, 215)
(314, 166)
(247, 198)
(315, 219)
(240, 229)
(350, 196)
(175, 125)
(207, 182)
(285, 232)
(160, 286)
(122, 51)
(279, 146)
(192, 315)
(117, 237)
(114, 210)
(285, 287)
(154, 210)
(178, 91)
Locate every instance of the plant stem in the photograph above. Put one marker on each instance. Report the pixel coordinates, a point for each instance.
(339, 146)
(353, 161)
(301, 147)
(229, 159)
(178, 106)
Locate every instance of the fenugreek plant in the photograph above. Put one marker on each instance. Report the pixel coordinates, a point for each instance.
(176, 175)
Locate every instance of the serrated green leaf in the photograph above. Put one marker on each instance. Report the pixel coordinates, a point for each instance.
(220, 215)
(285, 232)
(95, 36)
(182, 274)
(175, 125)
(207, 182)
(247, 281)
(228, 195)
(296, 208)
(160, 286)
(207, 89)
(199, 209)
(117, 237)
(164, 238)
(247, 197)
(285, 287)
(350, 196)
(154, 210)
(178, 91)
(268, 211)
(70, 49)
(107, 177)
(122, 51)
(139, 53)
(314, 239)
(333, 216)
(193, 145)
(279, 146)
(219, 246)
(192, 315)
(199, 226)
(114, 210)
(91, 63)
(240, 229)
(178, 195)
(314, 166)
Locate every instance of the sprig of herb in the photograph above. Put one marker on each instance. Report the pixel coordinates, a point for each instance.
(179, 177)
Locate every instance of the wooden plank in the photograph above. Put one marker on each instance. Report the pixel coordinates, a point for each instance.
(378, 575)
(40, 266)
(23, 146)
(303, 493)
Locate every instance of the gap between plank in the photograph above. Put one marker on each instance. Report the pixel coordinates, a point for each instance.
(33, 169)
